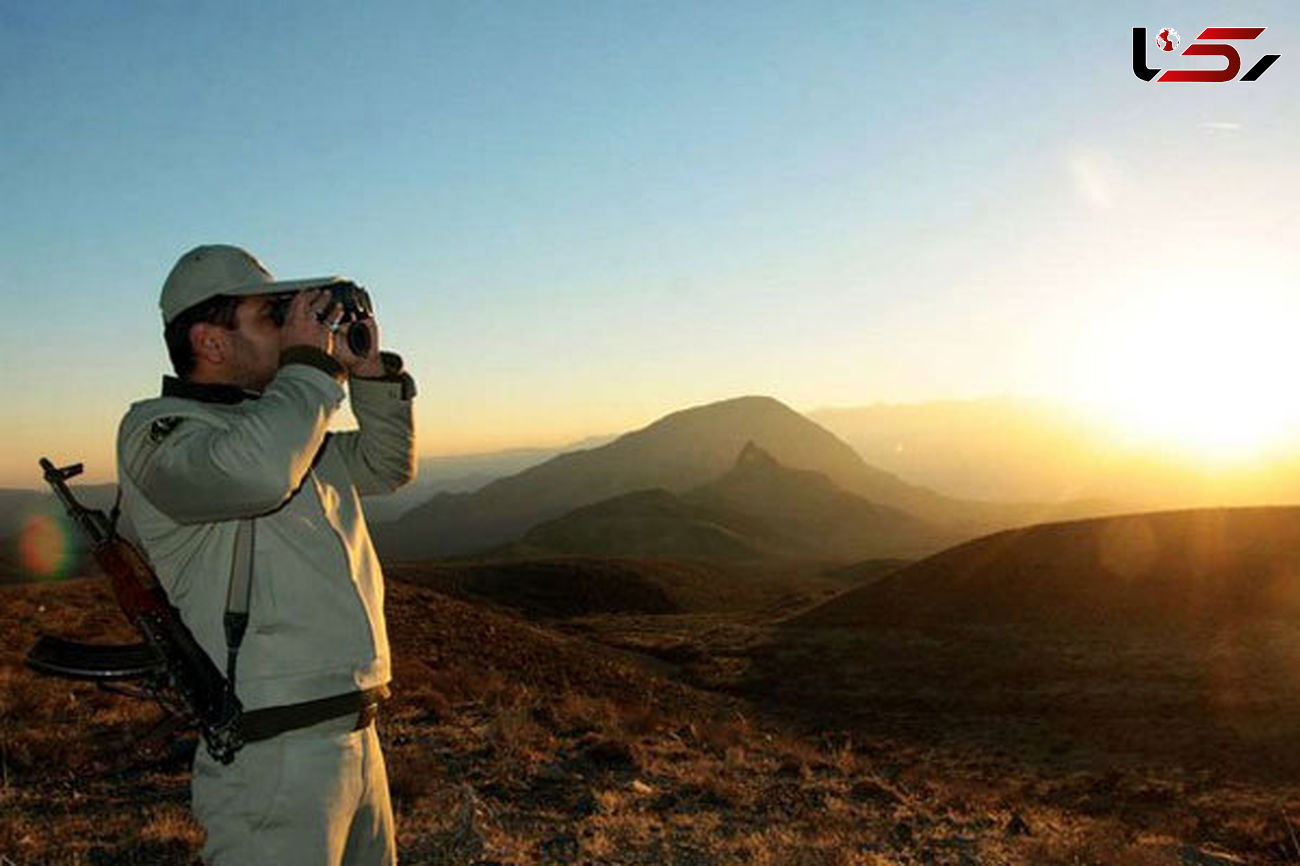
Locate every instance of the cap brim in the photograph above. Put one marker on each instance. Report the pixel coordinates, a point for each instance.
(257, 287)
(278, 287)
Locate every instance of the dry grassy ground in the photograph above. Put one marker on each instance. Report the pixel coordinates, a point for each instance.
(1158, 747)
(687, 739)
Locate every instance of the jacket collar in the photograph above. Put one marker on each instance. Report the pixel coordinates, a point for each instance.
(229, 394)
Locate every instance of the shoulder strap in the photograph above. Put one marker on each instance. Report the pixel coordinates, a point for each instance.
(115, 513)
(237, 597)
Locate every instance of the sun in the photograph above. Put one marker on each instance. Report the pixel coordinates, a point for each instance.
(1211, 372)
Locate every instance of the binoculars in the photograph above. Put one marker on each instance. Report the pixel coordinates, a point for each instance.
(355, 303)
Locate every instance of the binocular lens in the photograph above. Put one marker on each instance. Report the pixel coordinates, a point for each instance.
(354, 301)
(359, 340)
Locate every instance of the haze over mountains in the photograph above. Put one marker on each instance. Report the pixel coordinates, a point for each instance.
(463, 473)
(1021, 449)
(757, 509)
(677, 453)
(455, 473)
(449, 473)
(959, 468)
(1006, 449)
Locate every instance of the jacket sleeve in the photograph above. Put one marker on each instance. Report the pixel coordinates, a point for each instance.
(380, 455)
(205, 469)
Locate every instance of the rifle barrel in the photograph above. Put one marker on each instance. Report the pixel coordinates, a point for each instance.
(92, 521)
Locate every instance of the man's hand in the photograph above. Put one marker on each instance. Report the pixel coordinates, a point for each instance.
(369, 366)
(307, 321)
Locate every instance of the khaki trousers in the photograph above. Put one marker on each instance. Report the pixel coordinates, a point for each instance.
(317, 796)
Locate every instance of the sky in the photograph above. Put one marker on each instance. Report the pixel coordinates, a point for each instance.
(575, 218)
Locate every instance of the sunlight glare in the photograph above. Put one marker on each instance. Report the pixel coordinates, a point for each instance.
(1208, 370)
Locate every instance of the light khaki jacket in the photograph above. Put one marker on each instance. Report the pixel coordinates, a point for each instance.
(192, 464)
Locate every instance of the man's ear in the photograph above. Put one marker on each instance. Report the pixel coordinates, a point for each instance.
(210, 342)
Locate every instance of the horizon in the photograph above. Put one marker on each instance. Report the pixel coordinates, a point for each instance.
(948, 447)
(575, 221)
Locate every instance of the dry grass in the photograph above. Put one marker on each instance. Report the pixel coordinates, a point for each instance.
(510, 743)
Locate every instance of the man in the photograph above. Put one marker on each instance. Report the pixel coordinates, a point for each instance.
(240, 435)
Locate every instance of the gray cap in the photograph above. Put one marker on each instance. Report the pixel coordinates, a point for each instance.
(219, 269)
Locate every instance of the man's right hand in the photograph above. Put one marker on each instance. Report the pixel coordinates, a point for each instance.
(307, 321)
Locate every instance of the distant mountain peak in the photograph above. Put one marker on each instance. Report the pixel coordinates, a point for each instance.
(747, 409)
(678, 453)
(746, 401)
(754, 457)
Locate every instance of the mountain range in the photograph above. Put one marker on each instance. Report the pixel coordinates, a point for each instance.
(461, 473)
(757, 509)
(677, 454)
(741, 478)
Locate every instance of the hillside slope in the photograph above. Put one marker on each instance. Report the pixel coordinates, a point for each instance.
(1179, 567)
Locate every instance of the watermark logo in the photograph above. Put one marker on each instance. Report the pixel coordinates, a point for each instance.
(1168, 40)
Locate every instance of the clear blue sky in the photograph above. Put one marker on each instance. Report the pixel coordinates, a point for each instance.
(576, 217)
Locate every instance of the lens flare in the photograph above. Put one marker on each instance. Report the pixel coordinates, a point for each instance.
(45, 546)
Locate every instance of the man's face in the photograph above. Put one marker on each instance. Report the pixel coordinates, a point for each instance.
(255, 344)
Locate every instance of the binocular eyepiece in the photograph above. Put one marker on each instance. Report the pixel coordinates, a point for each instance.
(355, 303)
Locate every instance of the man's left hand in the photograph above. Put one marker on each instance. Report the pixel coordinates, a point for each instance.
(368, 366)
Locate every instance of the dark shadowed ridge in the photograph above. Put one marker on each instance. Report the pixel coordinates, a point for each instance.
(810, 515)
(1204, 566)
(16, 506)
(11, 570)
(549, 586)
(757, 509)
(650, 523)
(676, 453)
(554, 587)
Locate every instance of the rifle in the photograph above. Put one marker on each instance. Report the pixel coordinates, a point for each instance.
(169, 663)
